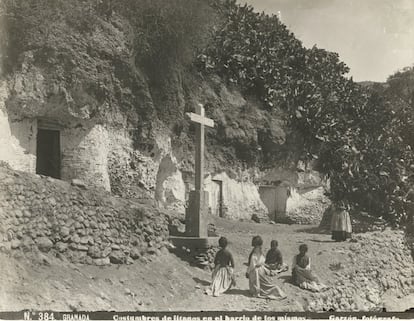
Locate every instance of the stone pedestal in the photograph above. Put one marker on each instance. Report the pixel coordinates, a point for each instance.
(196, 214)
(194, 243)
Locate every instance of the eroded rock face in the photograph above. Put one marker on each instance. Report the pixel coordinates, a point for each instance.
(307, 207)
(153, 172)
(240, 199)
(114, 132)
(17, 138)
(170, 189)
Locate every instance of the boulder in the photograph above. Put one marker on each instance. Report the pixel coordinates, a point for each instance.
(255, 218)
(94, 252)
(117, 257)
(79, 183)
(15, 244)
(61, 247)
(135, 253)
(64, 231)
(44, 244)
(102, 261)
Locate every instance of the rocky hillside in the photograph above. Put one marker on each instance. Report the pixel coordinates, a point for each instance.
(120, 78)
(86, 65)
(118, 83)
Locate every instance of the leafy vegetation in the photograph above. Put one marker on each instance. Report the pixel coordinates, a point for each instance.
(167, 31)
(359, 137)
(162, 30)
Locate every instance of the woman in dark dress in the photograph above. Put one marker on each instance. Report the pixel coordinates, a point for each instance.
(341, 223)
(223, 277)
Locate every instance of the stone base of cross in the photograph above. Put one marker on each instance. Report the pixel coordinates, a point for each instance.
(195, 218)
(196, 213)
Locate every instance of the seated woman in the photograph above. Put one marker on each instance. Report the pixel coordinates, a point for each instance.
(302, 274)
(274, 259)
(260, 277)
(222, 276)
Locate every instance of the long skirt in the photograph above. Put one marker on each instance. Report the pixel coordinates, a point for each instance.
(340, 236)
(341, 226)
(261, 284)
(306, 279)
(222, 280)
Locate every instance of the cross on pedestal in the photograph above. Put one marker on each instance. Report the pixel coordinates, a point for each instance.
(195, 224)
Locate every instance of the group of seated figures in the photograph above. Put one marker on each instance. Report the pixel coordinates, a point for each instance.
(261, 269)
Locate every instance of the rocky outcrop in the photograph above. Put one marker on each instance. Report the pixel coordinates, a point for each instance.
(306, 207)
(81, 225)
(240, 199)
(123, 126)
(170, 188)
(387, 268)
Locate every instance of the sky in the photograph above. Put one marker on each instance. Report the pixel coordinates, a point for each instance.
(375, 38)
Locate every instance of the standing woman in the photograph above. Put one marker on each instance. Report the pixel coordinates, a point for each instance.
(341, 223)
(260, 277)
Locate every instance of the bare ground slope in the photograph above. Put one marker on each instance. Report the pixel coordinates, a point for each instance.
(165, 282)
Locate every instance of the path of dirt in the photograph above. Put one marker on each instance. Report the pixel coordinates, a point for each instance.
(165, 283)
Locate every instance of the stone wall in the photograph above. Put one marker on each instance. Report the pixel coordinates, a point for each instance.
(83, 226)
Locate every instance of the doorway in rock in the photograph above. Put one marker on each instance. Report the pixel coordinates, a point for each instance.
(274, 198)
(48, 153)
(217, 201)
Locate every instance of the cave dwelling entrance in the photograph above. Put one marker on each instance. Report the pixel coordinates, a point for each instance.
(217, 198)
(275, 199)
(48, 160)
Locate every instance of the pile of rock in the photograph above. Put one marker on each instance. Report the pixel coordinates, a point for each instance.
(202, 258)
(82, 225)
(205, 258)
(387, 266)
(303, 216)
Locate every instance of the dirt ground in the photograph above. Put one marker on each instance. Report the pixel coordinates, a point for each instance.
(36, 281)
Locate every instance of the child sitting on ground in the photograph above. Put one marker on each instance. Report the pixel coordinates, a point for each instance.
(274, 259)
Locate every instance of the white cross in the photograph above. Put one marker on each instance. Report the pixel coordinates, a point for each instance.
(201, 120)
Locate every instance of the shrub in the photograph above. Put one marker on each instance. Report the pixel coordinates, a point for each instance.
(361, 138)
(166, 32)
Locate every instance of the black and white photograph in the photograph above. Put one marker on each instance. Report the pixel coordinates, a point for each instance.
(209, 156)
